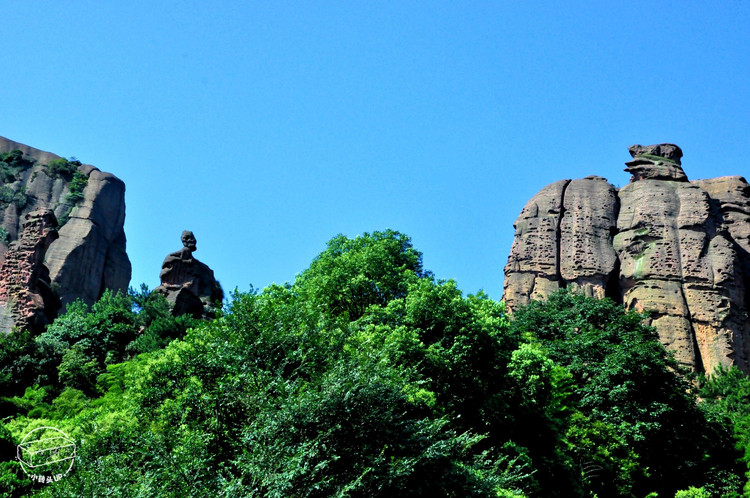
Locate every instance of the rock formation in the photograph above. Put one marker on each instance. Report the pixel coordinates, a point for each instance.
(89, 255)
(188, 284)
(663, 244)
(26, 298)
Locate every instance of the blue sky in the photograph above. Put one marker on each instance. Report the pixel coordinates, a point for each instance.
(267, 128)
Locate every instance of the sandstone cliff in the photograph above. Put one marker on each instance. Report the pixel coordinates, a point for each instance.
(676, 248)
(89, 255)
(26, 298)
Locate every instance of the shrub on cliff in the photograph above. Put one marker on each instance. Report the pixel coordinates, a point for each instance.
(62, 167)
(11, 164)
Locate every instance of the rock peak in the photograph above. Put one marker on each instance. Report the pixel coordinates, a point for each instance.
(655, 162)
(89, 255)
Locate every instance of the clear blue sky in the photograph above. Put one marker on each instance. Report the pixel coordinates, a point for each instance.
(267, 128)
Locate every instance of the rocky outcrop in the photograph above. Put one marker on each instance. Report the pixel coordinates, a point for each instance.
(189, 285)
(89, 255)
(26, 299)
(587, 259)
(563, 237)
(662, 244)
(533, 267)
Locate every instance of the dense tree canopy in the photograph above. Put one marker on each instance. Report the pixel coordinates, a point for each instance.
(366, 376)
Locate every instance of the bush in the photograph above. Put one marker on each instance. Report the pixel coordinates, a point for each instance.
(693, 492)
(625, 382)
(11, 164)
(75, 187)
(8, 195)
(62, 168)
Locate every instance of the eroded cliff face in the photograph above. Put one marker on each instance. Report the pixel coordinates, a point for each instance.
(26, 298)
(676, 248)
(89, 255)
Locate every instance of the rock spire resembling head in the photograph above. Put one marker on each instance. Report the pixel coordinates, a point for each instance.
(188, 240)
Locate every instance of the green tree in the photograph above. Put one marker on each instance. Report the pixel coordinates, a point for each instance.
(366, 376)
(693, 492)
(82, 342)
(13, 481)
(352, 274)
(304, 390)
(626, 380)
(726, 399)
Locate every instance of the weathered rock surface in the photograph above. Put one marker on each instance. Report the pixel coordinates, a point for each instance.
(26, 299)
(189, 285)
(587, 259)
(533, 265)
(675, 248)
(563, 237)
(89, 255)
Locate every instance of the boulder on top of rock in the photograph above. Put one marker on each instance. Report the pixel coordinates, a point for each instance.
(655, 162)
(670, 152)
(189, 285)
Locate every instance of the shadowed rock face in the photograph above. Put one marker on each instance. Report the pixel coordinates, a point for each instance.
(89, 255)
(676, 248)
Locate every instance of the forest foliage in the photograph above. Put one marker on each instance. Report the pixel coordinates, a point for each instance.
(367, 376)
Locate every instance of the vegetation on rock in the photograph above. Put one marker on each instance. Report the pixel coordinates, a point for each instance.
(62, 168)
(11, 165)
(655, 158)
(75, 187)
(67, 169)
(8, 195)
